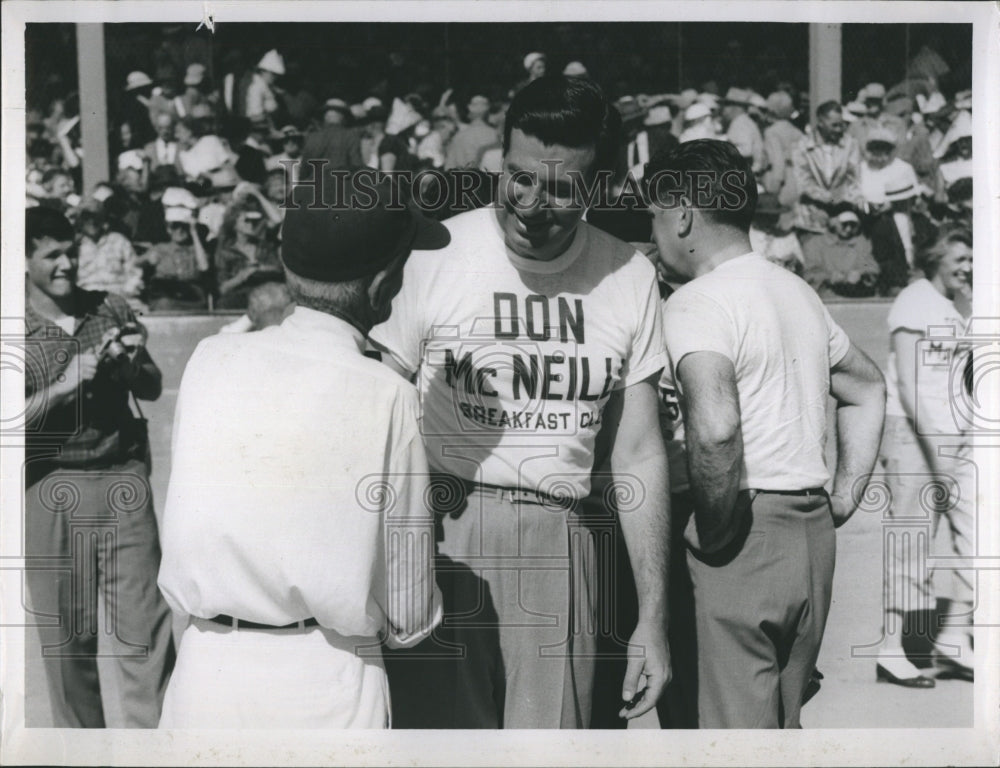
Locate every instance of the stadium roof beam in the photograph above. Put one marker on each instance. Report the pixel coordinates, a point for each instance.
(825, 51)
(93, 93)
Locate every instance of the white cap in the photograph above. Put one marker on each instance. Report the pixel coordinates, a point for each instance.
(960, 128)
(930, 104)
(371, 102)
(178, 197)
(173, 214)
(697, 111)
(658, 115)
(131, 158)
(575, 69)
(137, 80)
(272, 62)
(531, 58)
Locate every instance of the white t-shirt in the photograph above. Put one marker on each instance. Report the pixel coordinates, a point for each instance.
(897, 181)
(920, 308)
(517, 357)
(783, 343)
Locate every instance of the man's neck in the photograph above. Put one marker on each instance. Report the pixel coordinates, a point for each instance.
(47, 306)
(721, 250)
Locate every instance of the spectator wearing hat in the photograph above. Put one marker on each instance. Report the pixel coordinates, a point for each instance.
(197, 91)
(915, 147)
(150, 226)
(396, 150)
(279, 607)
(372, 133)
(741, 130)
(289, 160)
(781, 138)
(852, 269)
(246, 253)
(873, 97)
(203, 157)
(261, 99)
(535, 64)
(163, 149)
(889, 186)
(335, 143)
(107, 260)
(473, 137)
(699, 123)
(164, 92)
(136, 110)
(827, 168)
(656, 135)
(254, 151)
(59, 190)
(432, 148)
(955, 150)
(179, 268)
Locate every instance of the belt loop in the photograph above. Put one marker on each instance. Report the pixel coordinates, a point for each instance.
(234, 622)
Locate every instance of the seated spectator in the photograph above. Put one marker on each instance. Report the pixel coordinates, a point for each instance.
(889, 186)
(290, 158)
(179, 268)
(432, 148)
(473, 137)
(163, 149)
(771, 239)
(396, 150)
(197, 91)
(107, 261)
(59, 190)
(261, 99)
(852, 270)
(254, 151)
(204, 158)
(699, 123)
(150, 224)
(956, 150)
(245, 256)
(276, 189)
(371, 135)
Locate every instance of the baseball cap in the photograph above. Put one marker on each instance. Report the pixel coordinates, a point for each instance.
(658, 115)
(131, 158)
(575, 69)
(881, 135)
(738, 96)
(358, 236)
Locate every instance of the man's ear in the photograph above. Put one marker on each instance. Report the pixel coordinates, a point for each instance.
(685, 221)
(385, 285)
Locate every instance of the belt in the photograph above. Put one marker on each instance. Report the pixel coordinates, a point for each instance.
(520, 495)
(804, 492)
(229, 621)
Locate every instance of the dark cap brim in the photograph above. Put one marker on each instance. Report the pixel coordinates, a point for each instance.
(430, 235)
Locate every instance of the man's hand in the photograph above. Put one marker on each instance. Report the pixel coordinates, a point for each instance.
(648, 670)
(841, 509)
(81, 368)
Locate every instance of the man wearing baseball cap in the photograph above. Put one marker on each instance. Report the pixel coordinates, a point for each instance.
(293, 570)
(532, 333)
(261, 100)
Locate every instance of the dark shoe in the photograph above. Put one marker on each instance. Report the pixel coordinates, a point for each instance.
(950, 669)
(883, 675)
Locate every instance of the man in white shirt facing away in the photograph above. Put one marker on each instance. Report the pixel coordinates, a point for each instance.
(754, 355)
(296, 535)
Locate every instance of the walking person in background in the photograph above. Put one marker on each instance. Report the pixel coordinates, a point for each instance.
(753, 356)
(920, 448)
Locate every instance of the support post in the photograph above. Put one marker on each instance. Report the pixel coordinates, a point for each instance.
(825, 50)
(93, 103)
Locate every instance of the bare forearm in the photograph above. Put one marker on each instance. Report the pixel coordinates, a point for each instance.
(859, 432)
(647, 530)
(715, 468)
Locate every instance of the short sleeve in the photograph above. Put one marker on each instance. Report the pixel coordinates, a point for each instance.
(403, 333)
(840, 343)
(695, 322)
(648, 353)
(908, 312)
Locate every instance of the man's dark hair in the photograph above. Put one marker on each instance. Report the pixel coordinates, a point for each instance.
(41, 222)
(568, 111)
(827, 107)
(711, 174)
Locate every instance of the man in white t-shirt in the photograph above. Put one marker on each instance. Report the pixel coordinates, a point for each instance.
(754, 355)
(529, 334)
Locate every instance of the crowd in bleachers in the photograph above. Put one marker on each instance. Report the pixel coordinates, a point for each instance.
(191, 219)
